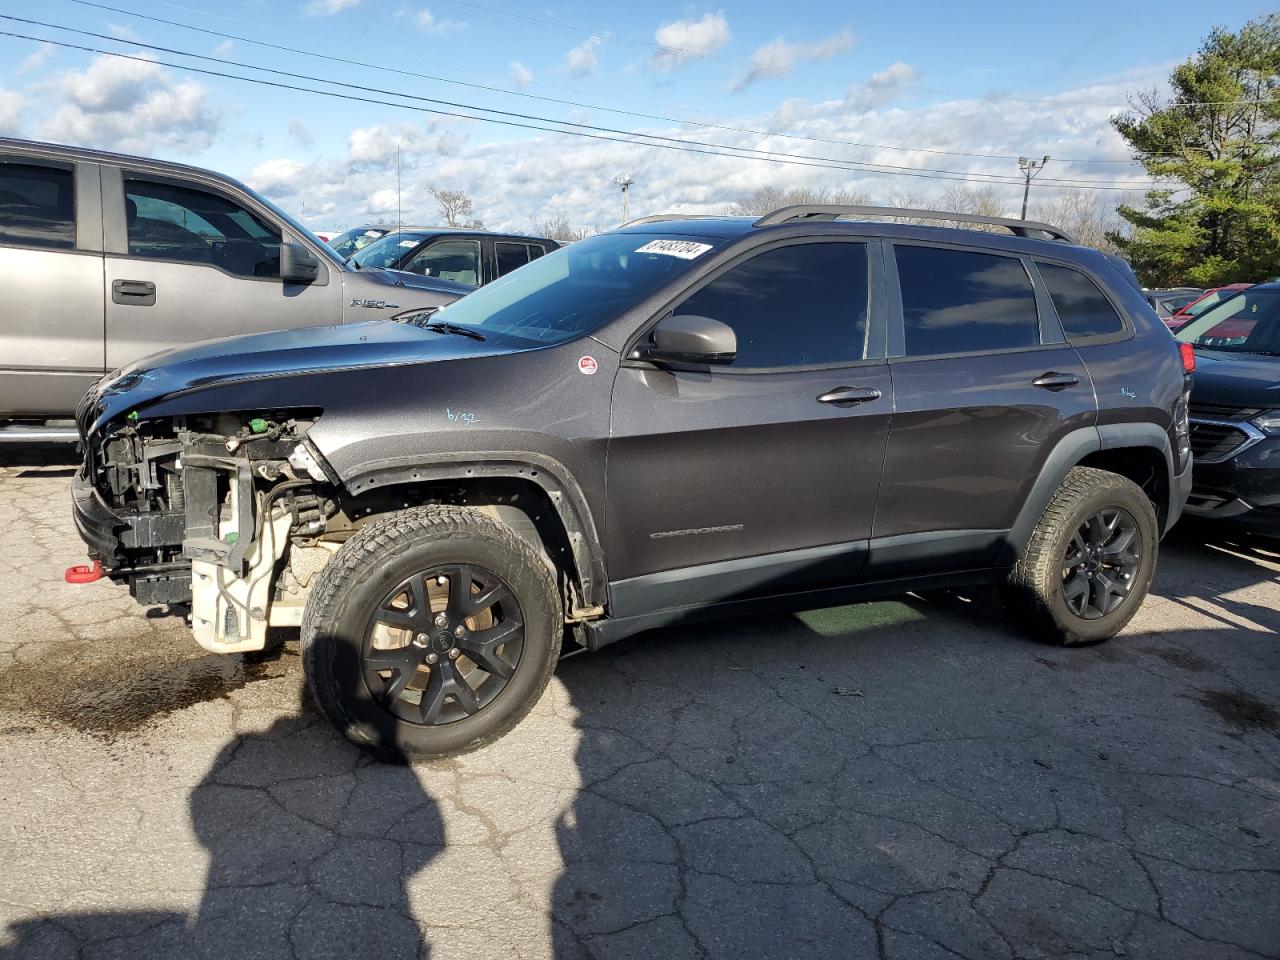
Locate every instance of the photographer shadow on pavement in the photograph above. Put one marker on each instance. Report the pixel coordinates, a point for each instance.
(310, 848)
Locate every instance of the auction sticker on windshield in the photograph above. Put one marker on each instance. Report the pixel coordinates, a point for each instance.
(684, 249)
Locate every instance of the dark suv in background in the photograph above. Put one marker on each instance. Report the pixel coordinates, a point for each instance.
(472, 257)
(1235, 410)
(679, 419)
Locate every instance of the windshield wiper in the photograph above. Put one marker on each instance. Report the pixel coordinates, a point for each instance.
(443, 326)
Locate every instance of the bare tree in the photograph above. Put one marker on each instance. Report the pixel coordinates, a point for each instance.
(455, 205)
(1088, 217)
(767, 199)
(557, 227)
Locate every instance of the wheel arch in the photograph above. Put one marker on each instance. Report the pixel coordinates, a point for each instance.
(1139, 451)
(544, 476)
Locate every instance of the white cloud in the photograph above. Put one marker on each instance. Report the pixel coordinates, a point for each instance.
(11, 107)
(581, 60)
(520, 75)
(683, 40)
(225, 47)
(429, 23)
(779, 58)
(301, 133)
(36, 60)
(519, 181)
(121, 32)
(132, 105)
(883, 87)
(327, 8)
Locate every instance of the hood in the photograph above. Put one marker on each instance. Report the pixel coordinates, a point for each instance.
(1235, 379)
(282, 353)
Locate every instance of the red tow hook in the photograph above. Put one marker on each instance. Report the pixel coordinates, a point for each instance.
(83, 573)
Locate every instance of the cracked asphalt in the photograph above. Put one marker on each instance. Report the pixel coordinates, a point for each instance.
(900, 779)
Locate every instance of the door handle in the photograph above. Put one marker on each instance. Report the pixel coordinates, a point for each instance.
(1055, 381)
(134, 293)
(847, 396)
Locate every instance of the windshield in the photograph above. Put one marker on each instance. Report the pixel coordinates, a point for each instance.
(1249, 322)
(386, 251)
(1211, 299)
(575, 289)
(357, 238)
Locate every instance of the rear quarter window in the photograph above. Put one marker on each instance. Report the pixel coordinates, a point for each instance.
(1084, 310)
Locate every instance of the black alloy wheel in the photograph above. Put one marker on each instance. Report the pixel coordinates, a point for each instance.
(442, 644)
(1101, 563)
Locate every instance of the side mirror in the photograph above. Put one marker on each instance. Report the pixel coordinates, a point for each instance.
(686, 338)
(297, 263)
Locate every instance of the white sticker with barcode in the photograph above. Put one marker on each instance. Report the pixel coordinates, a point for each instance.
(684, 249)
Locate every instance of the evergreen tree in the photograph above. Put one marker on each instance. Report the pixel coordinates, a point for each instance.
(1216, 144)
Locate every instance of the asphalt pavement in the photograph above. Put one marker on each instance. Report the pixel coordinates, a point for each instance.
(910, 778)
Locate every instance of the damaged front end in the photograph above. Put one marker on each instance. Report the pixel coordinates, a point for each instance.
(201, 511)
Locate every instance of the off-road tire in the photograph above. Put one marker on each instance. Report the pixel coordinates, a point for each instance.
(1034, 589)
(353, 583)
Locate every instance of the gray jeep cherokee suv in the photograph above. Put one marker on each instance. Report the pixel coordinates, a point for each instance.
(682, 418)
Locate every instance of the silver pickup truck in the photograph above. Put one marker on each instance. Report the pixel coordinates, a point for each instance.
(106, 258)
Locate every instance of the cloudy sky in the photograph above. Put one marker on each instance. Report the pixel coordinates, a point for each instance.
(895, 100)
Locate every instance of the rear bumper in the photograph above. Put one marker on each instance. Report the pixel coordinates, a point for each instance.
(1178, 496)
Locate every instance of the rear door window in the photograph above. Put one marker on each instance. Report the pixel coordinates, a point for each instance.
(37, 206)
(510, 256)
(963, 301)
(1084, 310)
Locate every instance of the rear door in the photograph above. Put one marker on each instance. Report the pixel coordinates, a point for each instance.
(984, 386)
(759, 477)
(51, 328)
(190, 261)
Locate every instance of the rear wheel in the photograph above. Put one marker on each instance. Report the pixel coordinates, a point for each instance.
(1089, 563)
(431, 632)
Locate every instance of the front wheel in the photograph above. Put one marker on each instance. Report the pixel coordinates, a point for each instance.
(432, 632)
(1089, 562)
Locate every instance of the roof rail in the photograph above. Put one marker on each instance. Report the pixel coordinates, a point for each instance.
(830, 211)
(660, 217)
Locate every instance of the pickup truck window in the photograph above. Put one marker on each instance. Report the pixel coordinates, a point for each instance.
(456, 260)
(37, 206)
(169, 222)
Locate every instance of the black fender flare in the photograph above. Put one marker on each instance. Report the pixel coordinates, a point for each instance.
(1069, 451)
(547, 473)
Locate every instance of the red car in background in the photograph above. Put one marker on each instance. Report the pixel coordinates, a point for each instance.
(1211, 297)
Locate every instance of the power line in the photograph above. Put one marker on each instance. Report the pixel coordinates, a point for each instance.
(284, 48)
(626, 137)
(755, 153)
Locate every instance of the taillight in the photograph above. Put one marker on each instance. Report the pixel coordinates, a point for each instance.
(1188, 357)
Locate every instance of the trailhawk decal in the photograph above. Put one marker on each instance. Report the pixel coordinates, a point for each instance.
(684, 249)
(695, 531)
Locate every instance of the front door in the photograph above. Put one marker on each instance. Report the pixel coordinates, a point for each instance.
(761, 476)
(982, 393)
(188, 262)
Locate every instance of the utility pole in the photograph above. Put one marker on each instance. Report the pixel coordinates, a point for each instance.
(1030, 168)
(398, 189)
(624, 180)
